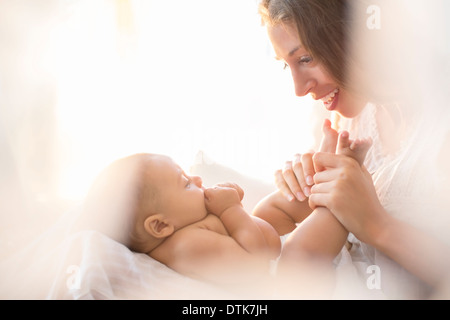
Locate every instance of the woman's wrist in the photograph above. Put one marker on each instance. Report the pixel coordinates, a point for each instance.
(381, 233)
(416, 251)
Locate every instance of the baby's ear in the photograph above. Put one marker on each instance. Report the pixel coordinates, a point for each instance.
(157, 226)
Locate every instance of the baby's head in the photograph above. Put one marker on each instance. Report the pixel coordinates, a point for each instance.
(141, 199)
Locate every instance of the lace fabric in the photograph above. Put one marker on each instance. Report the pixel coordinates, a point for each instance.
(408, 183)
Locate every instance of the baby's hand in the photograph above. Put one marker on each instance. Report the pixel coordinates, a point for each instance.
(218, 199)
(234, 186)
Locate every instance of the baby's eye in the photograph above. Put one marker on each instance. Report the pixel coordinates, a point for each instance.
(188, 183)
(285, 66)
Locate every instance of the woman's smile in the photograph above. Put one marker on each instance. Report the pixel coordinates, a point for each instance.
(330, 100)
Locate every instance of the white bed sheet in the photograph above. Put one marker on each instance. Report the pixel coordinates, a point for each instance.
(89, 265)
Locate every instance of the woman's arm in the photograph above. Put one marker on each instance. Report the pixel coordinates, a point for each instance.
(347, 190)
(420, 253)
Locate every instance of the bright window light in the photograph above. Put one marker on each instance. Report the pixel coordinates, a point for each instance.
(172, 77)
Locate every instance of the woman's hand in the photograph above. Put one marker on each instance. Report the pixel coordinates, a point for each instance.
(296, 178)
(346, 189)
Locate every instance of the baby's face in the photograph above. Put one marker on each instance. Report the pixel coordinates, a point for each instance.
(182, 196)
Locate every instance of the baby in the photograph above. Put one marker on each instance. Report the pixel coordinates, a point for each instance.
(148, 203)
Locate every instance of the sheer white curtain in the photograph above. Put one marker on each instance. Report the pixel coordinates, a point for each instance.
(84, 82)
(174, 77)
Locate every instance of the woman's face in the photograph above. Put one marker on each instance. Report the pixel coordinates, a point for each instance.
(309, 75)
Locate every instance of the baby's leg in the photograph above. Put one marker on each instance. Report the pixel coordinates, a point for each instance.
(306, 260)
(282, 214)
(309, 237)
(329, 138)
(320, 237)
(313, 245)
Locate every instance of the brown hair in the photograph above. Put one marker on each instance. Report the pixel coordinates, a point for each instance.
(323, 27)
(369, 63)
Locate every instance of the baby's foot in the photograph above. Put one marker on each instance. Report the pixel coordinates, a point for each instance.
(329, 139)
(356, 149)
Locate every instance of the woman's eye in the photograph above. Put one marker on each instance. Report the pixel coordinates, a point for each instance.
(302, 60)
(305, 60)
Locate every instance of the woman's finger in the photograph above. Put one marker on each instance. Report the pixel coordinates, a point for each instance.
(297, 167)
(282, 185)
(324, 187)
(325, 176)
(308, 167)
(321, 193)
(329, 160)
(291, 181)
(318, 200)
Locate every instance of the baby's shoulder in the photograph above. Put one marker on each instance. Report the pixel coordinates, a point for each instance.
(208, 227)
(190, 239)
(212, 223)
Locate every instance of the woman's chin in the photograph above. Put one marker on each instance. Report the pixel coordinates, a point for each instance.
(349, 108)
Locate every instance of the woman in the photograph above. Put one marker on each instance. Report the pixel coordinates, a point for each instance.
(393, 206)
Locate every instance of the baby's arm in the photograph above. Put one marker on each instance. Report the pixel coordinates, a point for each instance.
(252, 235)
(206, 252)
(228, 247)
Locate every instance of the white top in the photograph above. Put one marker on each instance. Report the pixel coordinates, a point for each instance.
(408, 184)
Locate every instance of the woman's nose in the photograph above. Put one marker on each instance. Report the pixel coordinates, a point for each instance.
(197, 180)
(302, 83)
